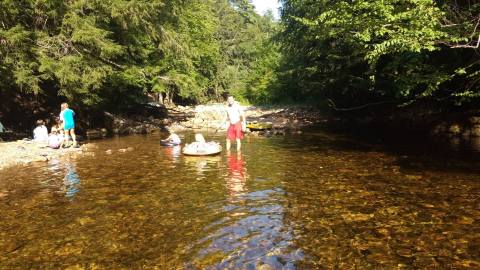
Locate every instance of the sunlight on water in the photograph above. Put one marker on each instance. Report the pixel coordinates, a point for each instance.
(311, 201)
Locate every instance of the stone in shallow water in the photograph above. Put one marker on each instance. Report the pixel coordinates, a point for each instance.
(404, 252)
(352, 217)
(465, 220)
(85, 220)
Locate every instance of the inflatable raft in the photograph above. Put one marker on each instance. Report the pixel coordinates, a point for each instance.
(205, 149)
(168, 143)
(259, 126)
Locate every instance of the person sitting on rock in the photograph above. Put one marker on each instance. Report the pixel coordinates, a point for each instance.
(55, 139)
(40, 133)
(57, 126)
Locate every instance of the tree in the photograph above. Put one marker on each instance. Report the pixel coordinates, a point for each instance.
(364, 51)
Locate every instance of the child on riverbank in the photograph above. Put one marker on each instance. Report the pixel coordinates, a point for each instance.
(40, 133)
(67, 117)
(57, 126)
(55, 139)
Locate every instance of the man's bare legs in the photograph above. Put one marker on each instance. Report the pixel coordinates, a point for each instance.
(239, 144)
(228, 145)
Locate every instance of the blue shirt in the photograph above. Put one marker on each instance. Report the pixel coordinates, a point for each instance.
(68, 117)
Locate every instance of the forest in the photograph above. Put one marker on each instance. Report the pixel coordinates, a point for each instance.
(348, 55)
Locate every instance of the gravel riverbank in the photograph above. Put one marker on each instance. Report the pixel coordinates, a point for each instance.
(212, 117)
(23, 152)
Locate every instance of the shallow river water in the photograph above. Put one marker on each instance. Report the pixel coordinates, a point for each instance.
(310, 201)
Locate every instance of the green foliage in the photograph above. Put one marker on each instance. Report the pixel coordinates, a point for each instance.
(392, 50)
(114, 52)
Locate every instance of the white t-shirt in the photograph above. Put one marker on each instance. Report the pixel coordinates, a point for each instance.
(175, 139)
(40, 134)
(54, 140)
(61, 116)
(234, 112)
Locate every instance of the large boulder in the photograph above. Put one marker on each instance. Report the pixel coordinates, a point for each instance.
(119, 125)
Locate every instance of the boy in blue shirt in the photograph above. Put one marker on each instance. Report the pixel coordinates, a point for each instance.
(67, 117)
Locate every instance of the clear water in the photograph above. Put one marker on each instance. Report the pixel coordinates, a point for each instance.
(312, 201)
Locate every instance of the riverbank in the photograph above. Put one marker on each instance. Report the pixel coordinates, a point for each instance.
(211, 118)
(208, 118)
(280, 120)
(23, 152)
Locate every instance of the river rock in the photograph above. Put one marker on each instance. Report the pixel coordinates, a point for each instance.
(475, 120)
(475, 131)
(467, 132)
(455, 129)
(136, 125)
(440, 129)
(40, 159)
(98, 133)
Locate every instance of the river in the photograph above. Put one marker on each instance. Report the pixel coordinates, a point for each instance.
(309, 201)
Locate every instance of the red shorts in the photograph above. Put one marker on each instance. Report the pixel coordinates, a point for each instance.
(235, 131)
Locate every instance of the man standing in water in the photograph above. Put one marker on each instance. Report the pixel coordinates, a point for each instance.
(236, 122)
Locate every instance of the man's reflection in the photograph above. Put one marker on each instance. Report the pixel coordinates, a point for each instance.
(174, 152)
(237, 174)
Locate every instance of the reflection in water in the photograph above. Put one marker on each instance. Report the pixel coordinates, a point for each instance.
(174, 152)
(316, 202)
(202, 164)
(64, 176)
(71, 181)
(252, 234)
(237, 174)
(465, 145)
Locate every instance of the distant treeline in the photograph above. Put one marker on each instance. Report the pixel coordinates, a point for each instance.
(105, 53)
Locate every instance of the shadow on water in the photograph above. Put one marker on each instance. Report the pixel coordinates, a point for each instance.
(412, 152)
(311, 201)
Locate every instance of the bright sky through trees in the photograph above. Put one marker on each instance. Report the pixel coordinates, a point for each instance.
(262, 6)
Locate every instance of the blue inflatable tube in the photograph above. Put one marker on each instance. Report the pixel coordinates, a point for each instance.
(168, 143)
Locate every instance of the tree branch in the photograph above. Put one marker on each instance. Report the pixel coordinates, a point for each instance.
(332, 105)
(468, 46)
